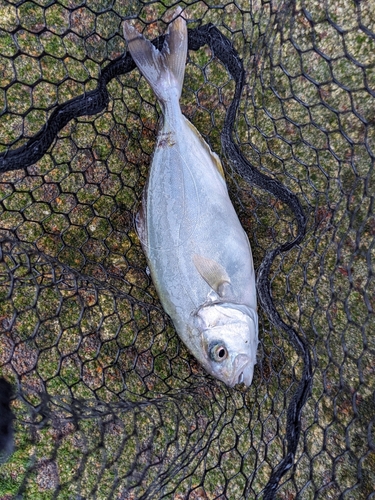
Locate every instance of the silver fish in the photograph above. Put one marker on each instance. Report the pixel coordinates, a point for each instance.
(198, 254)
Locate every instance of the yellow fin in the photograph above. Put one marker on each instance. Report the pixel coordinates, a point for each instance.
(213, 273)
(213, 155)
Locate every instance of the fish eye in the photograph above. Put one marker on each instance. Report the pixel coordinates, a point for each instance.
(218, 352)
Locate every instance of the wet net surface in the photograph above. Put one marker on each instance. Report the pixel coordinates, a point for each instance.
(109, 403)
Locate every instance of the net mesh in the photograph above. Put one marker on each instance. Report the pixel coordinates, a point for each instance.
(108, 402)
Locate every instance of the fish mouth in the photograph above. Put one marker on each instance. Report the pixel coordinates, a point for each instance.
(244, 373)
(245, 377)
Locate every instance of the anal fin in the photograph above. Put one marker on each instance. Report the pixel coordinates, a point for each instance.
(141, 219)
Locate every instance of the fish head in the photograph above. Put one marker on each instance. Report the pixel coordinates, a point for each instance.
(229, 341)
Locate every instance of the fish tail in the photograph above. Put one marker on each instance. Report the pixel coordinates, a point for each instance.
(163, 69)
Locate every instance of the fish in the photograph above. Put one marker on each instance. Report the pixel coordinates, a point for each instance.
(198, 254)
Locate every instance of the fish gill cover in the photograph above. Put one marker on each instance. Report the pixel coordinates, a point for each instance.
(108, 402)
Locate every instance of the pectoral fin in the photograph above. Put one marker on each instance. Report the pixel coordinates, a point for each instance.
(213, 273)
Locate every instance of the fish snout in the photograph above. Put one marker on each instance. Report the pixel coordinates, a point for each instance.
(243, 370)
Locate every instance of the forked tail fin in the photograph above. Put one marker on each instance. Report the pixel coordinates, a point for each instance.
(163, 69)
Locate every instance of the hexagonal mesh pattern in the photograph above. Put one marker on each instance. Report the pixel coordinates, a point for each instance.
(108, 402)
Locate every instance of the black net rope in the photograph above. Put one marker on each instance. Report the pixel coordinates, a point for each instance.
(109, 404)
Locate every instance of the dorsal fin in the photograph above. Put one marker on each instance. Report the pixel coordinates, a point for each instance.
(213, 155)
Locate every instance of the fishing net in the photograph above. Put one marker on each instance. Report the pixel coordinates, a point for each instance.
(107, 402)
